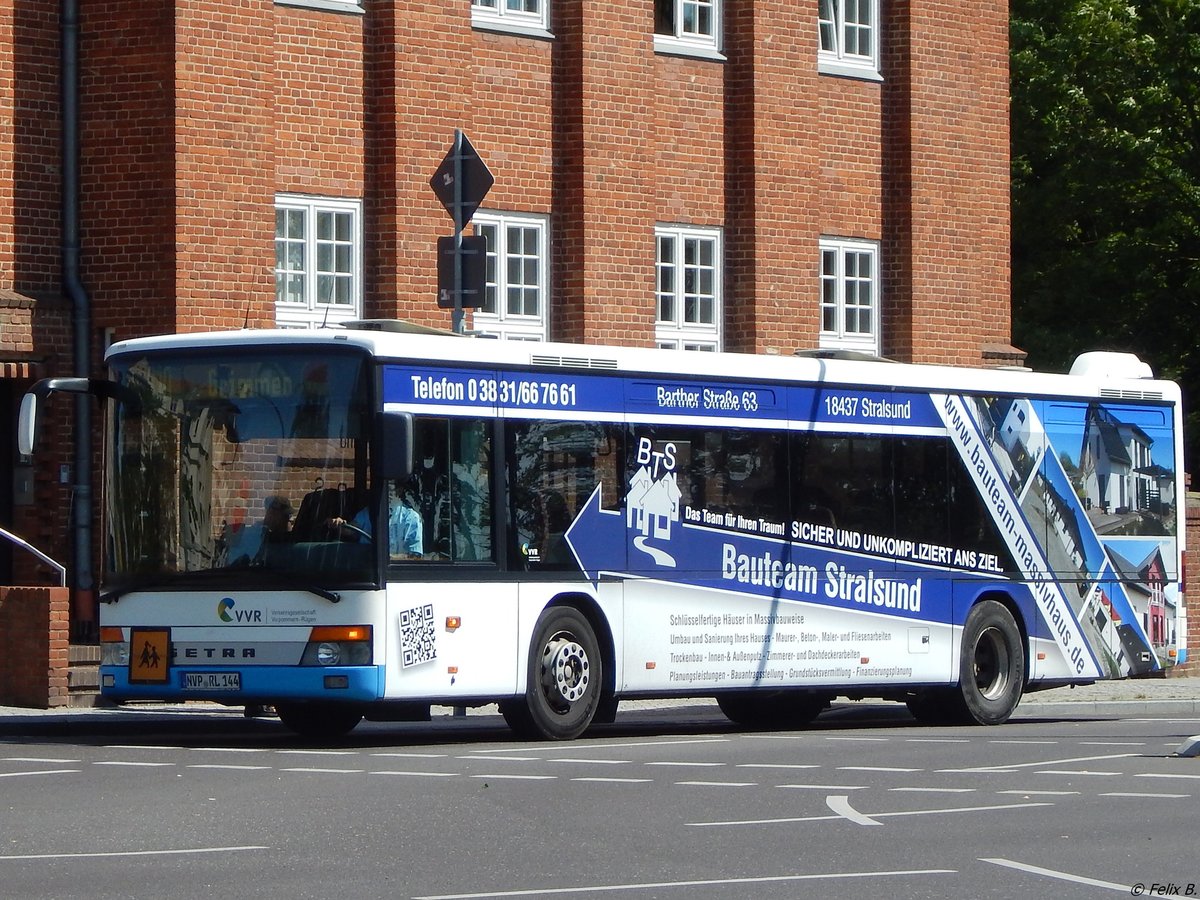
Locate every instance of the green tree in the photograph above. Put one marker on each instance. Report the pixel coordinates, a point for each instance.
(1106, 184)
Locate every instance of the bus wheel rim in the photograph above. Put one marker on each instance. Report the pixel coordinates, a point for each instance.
(566, 669)
(991, 663)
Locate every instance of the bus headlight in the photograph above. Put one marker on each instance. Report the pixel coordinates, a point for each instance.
(339, 645)
(114, 649)
(329, 654)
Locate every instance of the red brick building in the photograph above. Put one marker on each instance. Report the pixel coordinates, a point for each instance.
(746, 175)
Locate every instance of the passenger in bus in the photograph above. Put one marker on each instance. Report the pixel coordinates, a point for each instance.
(405, 530)
(250, 543)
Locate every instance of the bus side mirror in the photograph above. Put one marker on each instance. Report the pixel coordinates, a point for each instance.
(397, 445)
(98, 387)
(27, 425)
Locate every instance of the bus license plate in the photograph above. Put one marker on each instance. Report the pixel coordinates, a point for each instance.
(212, 681)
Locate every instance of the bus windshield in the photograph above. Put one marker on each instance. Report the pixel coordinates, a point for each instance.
(251, 464)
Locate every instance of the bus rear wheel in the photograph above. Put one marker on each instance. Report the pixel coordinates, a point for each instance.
(991, 670)
(771, 709)
(318, 720)
(564, 678)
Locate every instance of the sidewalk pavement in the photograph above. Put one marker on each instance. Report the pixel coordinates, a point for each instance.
(1177, 696)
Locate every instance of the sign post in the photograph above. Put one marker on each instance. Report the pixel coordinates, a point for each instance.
(461, 182)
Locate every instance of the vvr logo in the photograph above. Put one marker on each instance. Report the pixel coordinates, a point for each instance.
(239, 615)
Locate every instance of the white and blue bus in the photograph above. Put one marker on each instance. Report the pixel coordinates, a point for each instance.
(356, 522)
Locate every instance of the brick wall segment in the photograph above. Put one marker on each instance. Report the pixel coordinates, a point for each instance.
(33, 646)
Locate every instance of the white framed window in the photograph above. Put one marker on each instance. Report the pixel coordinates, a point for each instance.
(691, 27)
(849, 38)
(850, 295)
(515, 302)
(688, 310)
(318, 260)
(518, 16)
(344, 6)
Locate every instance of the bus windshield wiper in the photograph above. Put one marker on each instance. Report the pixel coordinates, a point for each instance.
(197, 577)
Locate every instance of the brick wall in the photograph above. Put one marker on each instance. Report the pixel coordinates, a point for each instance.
(945, 158)
(1192, 589)
(318, 121)
(33, 646)
(7, 142)
(127, 181)
(29, 142)
(225, 89)
(419, 65)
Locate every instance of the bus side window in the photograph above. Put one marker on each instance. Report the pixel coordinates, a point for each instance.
(471, 490)
(450, 491)
(553, 468)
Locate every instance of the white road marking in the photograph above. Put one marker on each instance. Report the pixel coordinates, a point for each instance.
(414, 755)
(708, 882)
(1018, 741)
(826, 787)
(139, 747)
(1062, 876)
(1164, 775)
(318, 752)
(227, 766)
(884, 815)
(976, 771)
(937, 740)
(1075, 772)
(1044, 762)
(501, 758)
(1146, 796)
(593, 762)
(575, 746)
(311, 771)
(132, 853)
(518, 777)
(1040, 793)
(616, 780)
(716, 784)
(876, 769)
(933, 790)
(39, 759)
(419, 774)
(687, 764)
(41, 772)
(777, 766)
(129, 762)
(1112, 743)
(879, 740)
(234, 750)
(841, 805)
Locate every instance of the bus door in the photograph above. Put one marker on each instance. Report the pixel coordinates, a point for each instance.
(451, 616)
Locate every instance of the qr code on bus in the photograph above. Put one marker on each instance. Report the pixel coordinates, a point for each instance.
(418, 643)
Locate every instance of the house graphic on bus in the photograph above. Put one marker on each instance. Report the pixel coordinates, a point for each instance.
(652, 506)
(1119, 471)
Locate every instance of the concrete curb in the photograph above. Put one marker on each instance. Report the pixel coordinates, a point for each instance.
(1121, 709)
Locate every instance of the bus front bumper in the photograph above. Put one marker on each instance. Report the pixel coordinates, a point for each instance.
(251, 684)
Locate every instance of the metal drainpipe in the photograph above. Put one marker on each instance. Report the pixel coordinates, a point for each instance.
(84, 581)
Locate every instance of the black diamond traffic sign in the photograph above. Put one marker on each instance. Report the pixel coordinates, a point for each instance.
(462, 181)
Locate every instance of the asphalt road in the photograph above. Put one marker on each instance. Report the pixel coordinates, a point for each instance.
(668, 802)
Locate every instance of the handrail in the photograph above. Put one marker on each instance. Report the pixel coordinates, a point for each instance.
(21, 542)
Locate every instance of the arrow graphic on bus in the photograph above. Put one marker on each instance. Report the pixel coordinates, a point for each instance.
(608, 541)
(598, 538)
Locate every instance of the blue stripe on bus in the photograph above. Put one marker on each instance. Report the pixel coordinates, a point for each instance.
(489, 392)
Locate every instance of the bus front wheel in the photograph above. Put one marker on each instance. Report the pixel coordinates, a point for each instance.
(565, 676)
(991, 669)
(318, 720)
